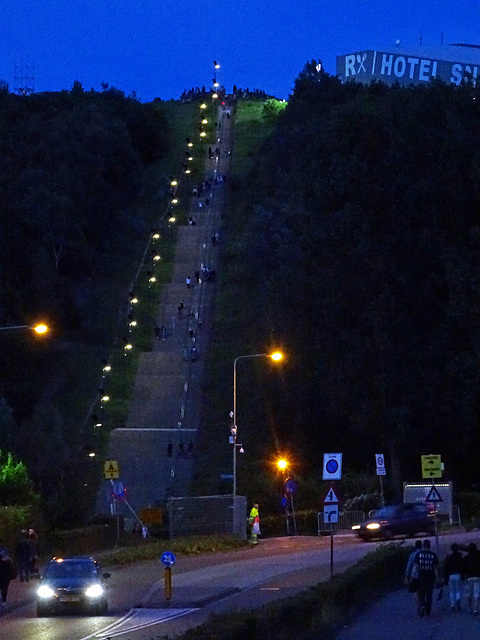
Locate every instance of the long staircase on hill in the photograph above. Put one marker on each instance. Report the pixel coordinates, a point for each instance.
(156, 449)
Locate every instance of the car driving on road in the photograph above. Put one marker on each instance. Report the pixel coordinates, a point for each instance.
(398, 519)
(72, 584)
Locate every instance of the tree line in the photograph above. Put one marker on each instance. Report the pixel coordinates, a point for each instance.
(73, 169)
(359, 255)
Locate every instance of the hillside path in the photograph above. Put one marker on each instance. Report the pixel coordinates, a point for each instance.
(156, 449)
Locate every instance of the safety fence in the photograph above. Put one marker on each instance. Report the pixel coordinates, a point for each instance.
(207, 515)
(346, 520)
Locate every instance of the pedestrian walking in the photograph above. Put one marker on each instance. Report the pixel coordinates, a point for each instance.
(23, 556)
(163, 332)
(7, 572)
(180, 308)
(188, 282)
(471, 570)
(427, 561)
(453, 576)
(157, 332)
(34, 551)
(412, 572)
(254, 521)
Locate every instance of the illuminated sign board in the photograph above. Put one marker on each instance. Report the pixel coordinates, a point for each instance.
(391, 67)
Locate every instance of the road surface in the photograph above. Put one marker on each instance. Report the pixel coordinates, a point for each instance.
(204, 585)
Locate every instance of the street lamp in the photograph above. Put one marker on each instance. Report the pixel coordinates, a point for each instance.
(39, 328)
(276, 356)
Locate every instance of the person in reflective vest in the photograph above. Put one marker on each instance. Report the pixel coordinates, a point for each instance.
(254, 521)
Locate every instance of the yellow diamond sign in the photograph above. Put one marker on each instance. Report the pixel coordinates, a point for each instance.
(432, 466)
(111, 469)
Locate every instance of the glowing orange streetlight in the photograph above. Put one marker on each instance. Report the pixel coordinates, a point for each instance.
(39, 328)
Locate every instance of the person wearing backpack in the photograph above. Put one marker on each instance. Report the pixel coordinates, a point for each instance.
(412, 572)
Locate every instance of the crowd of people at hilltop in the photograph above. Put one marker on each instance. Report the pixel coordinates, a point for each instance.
(200, 93)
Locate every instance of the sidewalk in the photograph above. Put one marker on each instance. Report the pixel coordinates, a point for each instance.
(395, 618)
(19, 594)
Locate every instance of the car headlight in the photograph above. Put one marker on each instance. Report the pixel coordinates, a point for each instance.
(373, 526)
(94, 591)
(356, 526)
(44, 591)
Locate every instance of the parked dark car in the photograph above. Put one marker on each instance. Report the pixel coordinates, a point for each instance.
(72, 584)
(398, 519)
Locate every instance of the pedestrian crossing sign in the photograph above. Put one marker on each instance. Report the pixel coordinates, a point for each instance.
(111, 470)
(433, 495)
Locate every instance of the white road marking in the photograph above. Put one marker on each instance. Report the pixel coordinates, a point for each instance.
(137, 619)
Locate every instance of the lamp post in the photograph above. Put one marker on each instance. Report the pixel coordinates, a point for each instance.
(39, 328)
(277, 356)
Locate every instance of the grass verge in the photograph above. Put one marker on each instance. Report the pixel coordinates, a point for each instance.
(182, 547)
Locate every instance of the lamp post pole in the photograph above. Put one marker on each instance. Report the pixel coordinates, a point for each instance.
(276, 356)
(234, 428)
(38, 328)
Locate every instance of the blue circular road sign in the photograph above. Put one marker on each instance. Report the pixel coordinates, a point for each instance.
(332, 466)
(168, 558)
(118, 490)
(290, 485)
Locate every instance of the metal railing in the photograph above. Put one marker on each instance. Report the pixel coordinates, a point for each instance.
(207, 515)
(346, 520)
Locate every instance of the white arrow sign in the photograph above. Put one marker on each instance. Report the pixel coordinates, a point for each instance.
(330, 514)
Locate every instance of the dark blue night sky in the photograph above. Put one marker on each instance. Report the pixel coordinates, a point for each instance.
(157, 48)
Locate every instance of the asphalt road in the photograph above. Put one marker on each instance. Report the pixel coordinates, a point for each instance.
(204, 585)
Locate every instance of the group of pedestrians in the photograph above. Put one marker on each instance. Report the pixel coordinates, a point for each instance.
(461, 575)
(23, 563)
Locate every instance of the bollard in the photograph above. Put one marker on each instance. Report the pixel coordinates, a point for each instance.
(167, 576)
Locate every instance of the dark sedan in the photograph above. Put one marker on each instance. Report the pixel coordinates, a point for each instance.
(72, 584)
(399, 519)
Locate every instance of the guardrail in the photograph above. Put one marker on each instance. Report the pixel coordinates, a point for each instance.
(346, 520)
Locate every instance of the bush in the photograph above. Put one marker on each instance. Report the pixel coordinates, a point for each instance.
(274, 526)
(12, 520)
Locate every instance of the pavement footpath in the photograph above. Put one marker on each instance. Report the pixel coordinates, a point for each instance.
(394, 617)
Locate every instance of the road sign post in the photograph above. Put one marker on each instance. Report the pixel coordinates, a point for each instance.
(290, 486)
(167, 560)
(380, 464)
(111, 470)
(330, 514)
(435, 497)
(432, 466)
(332, 466)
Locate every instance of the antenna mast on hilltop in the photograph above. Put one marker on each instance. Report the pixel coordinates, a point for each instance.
(24, 78)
